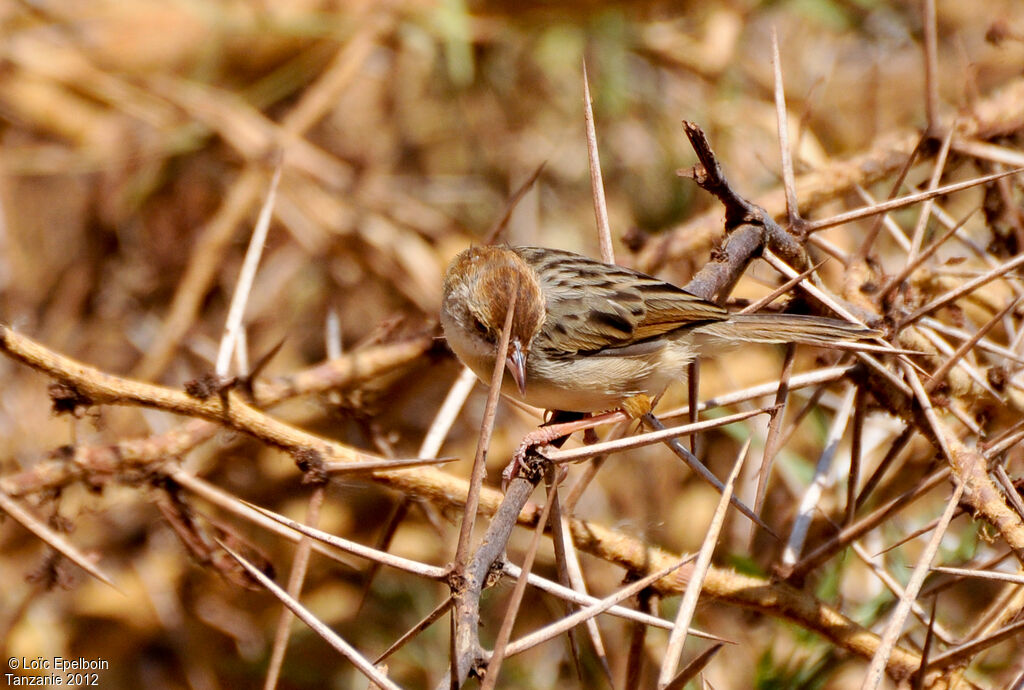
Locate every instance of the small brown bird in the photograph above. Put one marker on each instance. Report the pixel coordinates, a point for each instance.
(587, 336)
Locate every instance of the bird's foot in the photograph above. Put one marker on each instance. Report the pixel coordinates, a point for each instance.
(552, 433)
(534, 440)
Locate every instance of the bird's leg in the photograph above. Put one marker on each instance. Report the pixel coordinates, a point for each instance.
(559, 427)
(638, 405)
(555, 432)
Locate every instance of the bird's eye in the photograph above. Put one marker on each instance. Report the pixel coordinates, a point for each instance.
(479, 326)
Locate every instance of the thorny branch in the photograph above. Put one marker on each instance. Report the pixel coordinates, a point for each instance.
(751, 231)
(447, 490)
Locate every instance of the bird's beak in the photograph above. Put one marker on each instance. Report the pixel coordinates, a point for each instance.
(516, 364)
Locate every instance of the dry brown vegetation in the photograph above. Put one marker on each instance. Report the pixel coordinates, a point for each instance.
(139, 142)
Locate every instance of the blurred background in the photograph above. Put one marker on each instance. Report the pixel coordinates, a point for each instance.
(137, 140)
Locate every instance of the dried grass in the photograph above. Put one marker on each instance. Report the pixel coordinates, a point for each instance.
(137, 145)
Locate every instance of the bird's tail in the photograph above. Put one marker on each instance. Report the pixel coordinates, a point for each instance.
(783, 328)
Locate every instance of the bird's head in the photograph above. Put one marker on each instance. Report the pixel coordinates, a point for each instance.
(481, 284)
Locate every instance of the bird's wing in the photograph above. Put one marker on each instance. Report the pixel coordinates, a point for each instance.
(594, 306)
